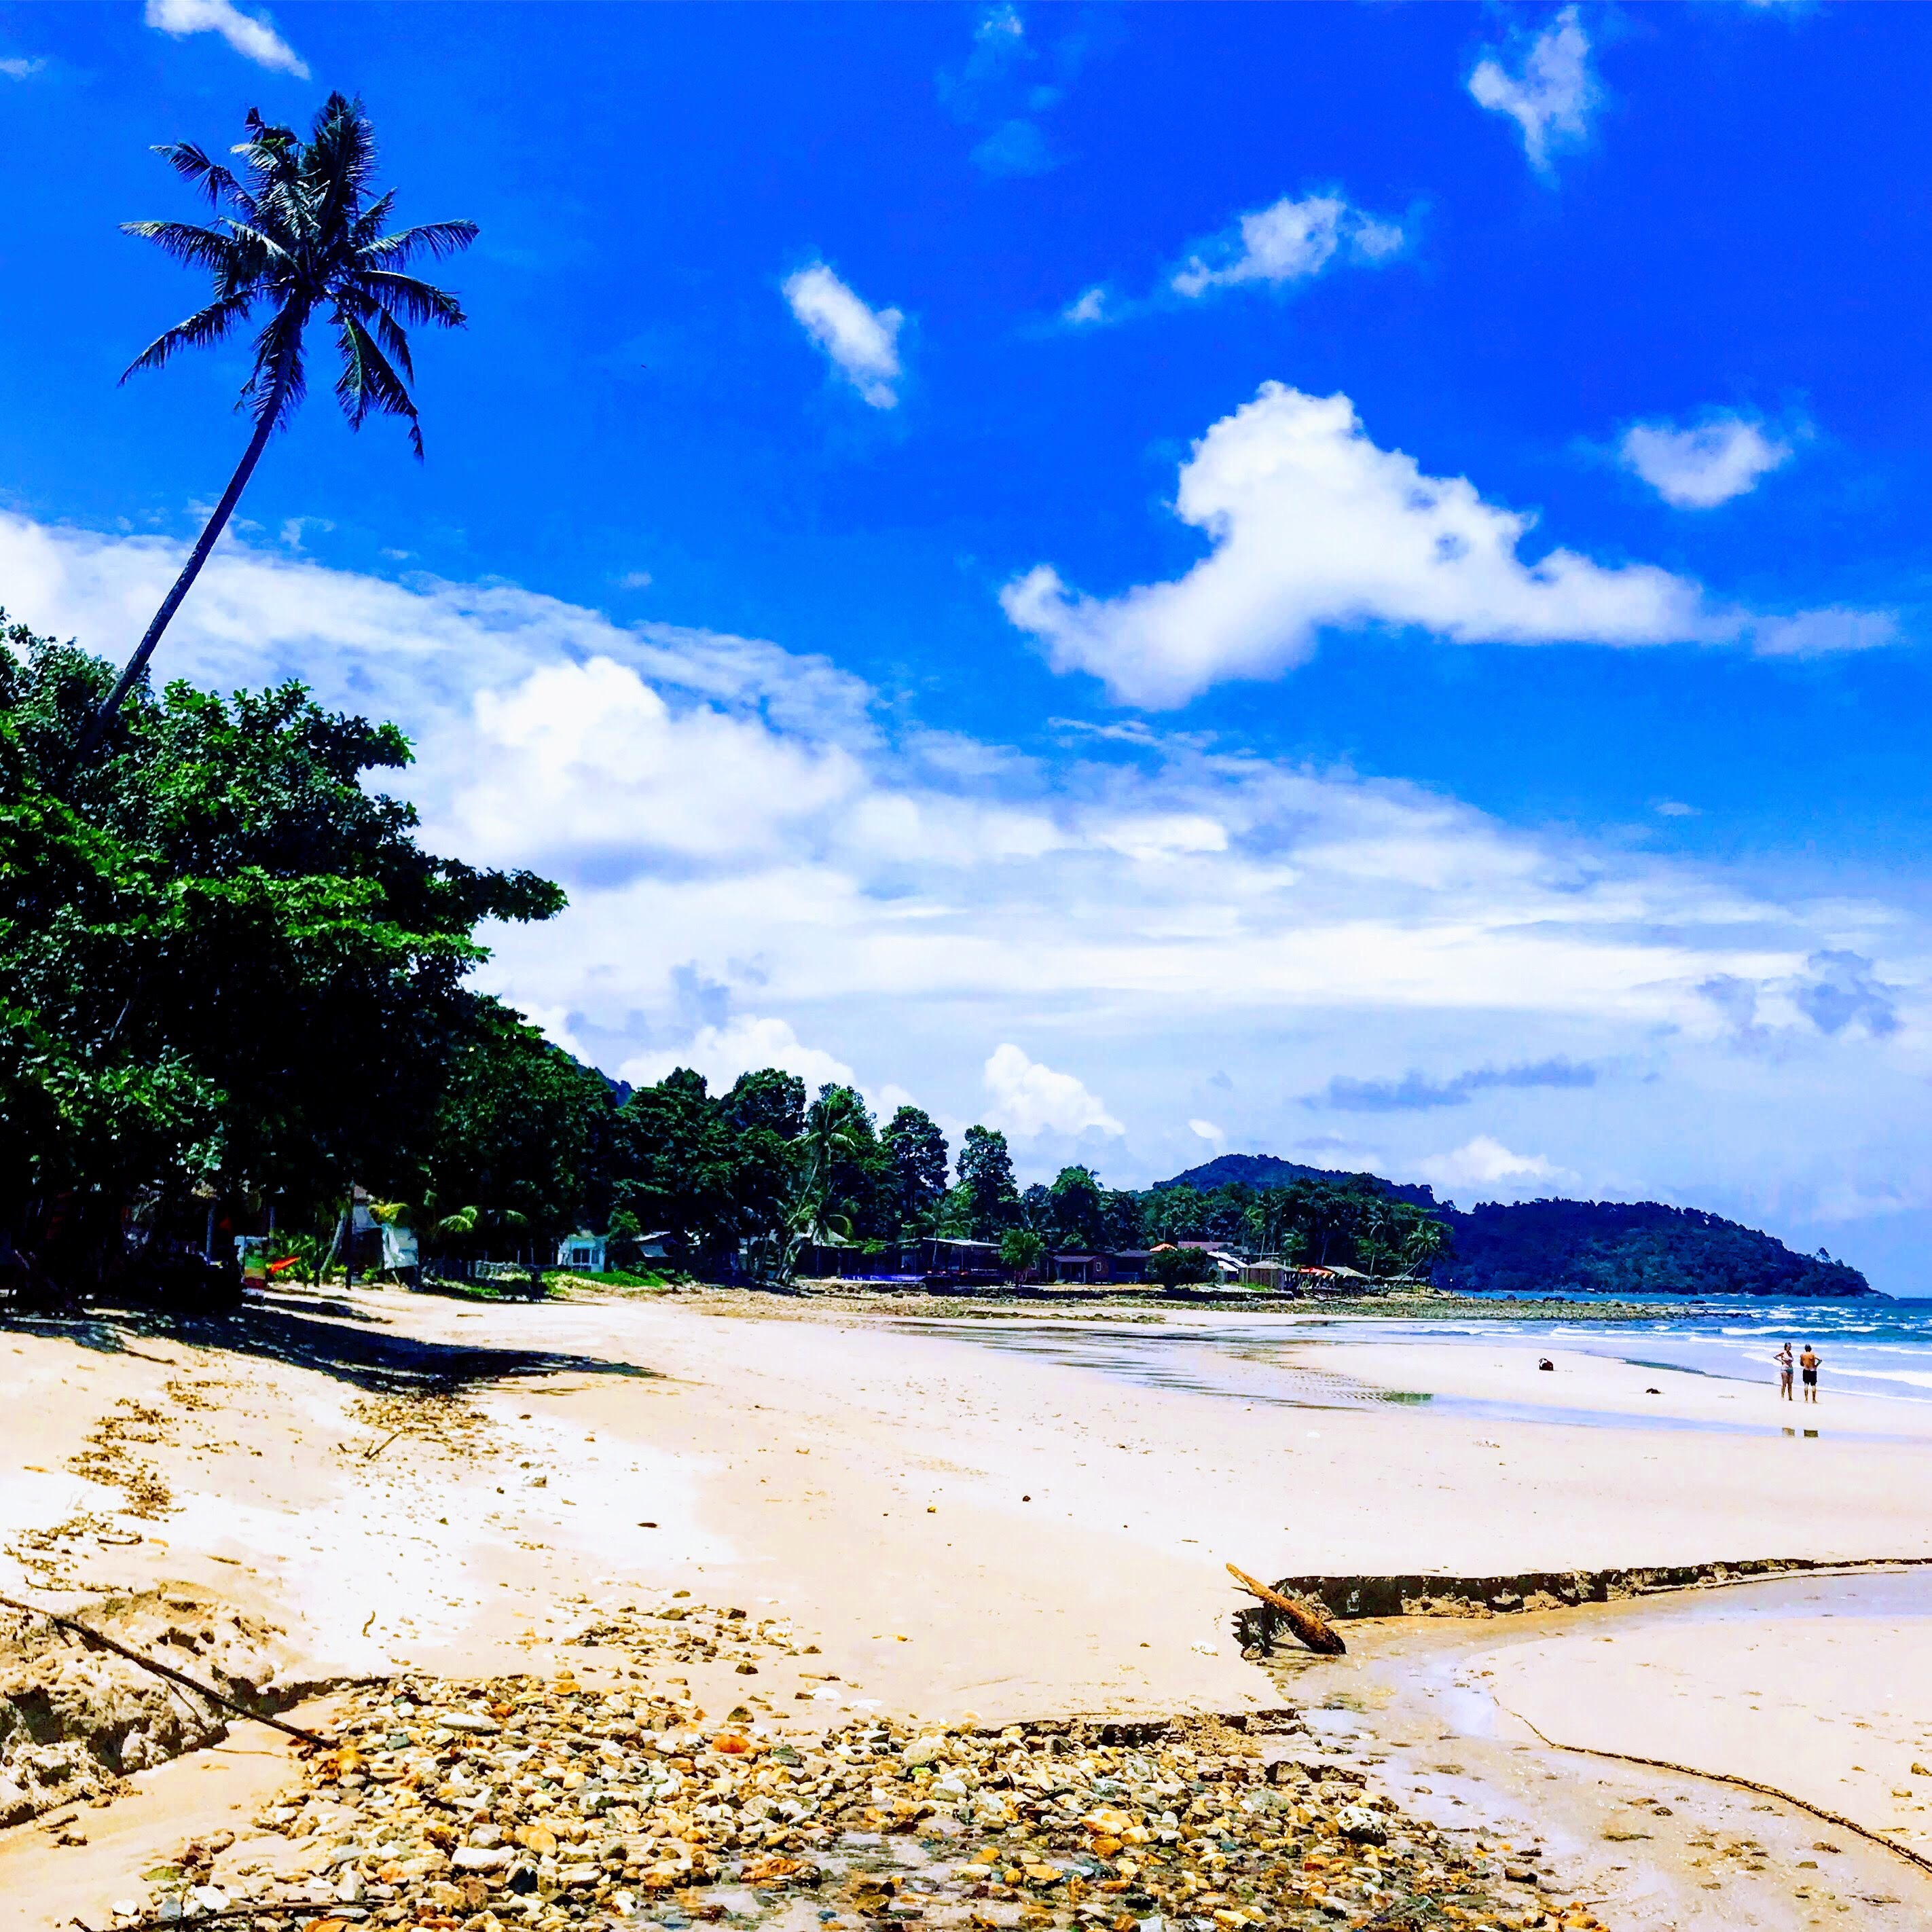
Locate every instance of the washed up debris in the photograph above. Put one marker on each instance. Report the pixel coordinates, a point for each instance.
(527, 1802)
(1310, 1627)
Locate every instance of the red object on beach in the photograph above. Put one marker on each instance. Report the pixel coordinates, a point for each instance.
(287, 1262)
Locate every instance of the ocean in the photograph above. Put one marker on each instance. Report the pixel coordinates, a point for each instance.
(1872, 1346)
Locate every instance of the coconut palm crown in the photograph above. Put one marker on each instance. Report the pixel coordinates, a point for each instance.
(305, 233)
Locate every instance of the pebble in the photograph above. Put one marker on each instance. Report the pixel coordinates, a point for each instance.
(626, 1808)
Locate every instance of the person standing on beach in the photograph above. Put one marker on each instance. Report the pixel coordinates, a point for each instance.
(1807, 1363)
(1783, 1359)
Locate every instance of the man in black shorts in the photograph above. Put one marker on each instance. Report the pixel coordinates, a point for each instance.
(1808, 1367)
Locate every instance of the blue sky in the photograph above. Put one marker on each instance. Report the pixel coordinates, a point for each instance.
(1341, 580)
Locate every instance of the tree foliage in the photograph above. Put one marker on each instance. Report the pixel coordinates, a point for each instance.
(1609, 1247)
(227, 970)
(302, 229)
(920, 1158)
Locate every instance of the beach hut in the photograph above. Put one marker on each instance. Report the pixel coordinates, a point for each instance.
(583, 1250)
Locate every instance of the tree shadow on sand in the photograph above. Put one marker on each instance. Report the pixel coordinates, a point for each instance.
(332, 1337)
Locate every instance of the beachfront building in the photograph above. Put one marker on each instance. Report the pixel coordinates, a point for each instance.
(582, 1250)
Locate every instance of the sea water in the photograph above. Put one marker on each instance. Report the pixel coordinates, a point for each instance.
(1870, 1345)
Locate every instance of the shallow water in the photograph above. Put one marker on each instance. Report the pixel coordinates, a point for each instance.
(1870, 1347)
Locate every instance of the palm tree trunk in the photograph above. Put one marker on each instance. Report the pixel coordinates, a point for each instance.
(98, 726)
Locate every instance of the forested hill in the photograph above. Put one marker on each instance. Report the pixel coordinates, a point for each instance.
(1267, 1170)
(1623, 1248)
(1608, 1247)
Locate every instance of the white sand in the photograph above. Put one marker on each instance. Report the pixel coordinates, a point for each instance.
(959, 1528)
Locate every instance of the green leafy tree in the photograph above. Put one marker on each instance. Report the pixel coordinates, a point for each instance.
(763, 1115)
(766, 1101)
(673, 1166)
(986, 1176)
(1035, 1211)
(1079, 1208)
(1022, 1252)
(1124, 1226)
(227, 970)
(1174, 1214)
(1171, 1267)
(306, 234)
(920, 1158)
(853, 1171)
(524, 1130)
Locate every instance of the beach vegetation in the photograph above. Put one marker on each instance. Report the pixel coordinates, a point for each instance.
(230, 978)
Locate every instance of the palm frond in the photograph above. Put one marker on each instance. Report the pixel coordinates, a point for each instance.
(340, 157)
(367, 382)
(417, 301)
(197, 167)
(212, 324)
(438, 238)
(279, 381)
(370, 223)
(193, 246)
(395, 343)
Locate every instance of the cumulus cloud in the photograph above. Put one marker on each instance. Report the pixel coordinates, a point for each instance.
(1842, 990)
(19, 67)
(1698, 468)
(1550, 94)
(1485, 1162)
(1415, 1091)
(742, 1045)
(250, 35)
(861, 342)
(1208, 1131)
(1028, 1099)
(1313, 526)
(1289, 241)
(751, 842)
(1087, 308)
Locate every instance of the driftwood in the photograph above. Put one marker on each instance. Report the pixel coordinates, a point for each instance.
(1309, 1625)
(88, 1635)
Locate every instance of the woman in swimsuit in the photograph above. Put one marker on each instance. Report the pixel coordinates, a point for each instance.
(1808, 1364)
(1783, 1359)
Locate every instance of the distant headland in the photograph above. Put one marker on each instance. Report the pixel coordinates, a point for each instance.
(1606, 1247)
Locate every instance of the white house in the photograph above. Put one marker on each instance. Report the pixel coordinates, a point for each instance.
(581, 1250)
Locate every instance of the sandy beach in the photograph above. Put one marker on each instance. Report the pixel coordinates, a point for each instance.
(1004, 1520)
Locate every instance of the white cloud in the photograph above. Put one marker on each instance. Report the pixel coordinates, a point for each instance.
(1697, 468)
(862, 342)
(1485, 1162)
(249, 34)
(1029, 1099)
(742, 1045)
(1087, 308)
(1208, 1131)
(1813, 633)
(19, 68)
(760, 870)
(1289, 241)
(1313, 526)
(1549, 98)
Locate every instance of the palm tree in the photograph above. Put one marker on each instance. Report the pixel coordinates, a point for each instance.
(305, 232)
